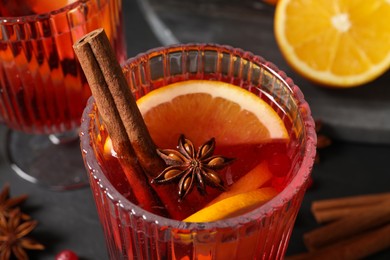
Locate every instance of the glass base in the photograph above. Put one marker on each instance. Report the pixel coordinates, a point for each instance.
(54, 161)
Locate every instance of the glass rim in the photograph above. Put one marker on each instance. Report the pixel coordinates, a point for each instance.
(291, 189)
(4, 20)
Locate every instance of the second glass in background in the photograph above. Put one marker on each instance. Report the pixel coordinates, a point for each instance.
(43, 89)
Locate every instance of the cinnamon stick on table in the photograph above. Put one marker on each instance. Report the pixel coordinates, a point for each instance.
(336, 231)
(333, 209)
(351, 201)
(357, 247)
(121, 116)
(335, 214)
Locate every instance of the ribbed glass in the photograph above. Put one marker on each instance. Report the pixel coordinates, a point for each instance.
(133, 233)
(42, 86)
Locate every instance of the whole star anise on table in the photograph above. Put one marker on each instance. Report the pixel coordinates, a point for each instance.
(192, 166)
(7, 203)
(13, 232)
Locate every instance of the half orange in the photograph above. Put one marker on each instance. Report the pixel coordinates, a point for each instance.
(335, 43)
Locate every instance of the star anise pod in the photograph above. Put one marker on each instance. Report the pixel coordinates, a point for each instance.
(191, 166)
(7, 203)
(323, 141)
(13, 240)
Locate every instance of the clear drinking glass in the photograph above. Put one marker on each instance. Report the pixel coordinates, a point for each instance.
(43, 90)
(133, 233)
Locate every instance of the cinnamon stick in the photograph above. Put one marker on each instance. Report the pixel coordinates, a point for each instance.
(350, 201)
(333, 214)
(357, 247)
(336, 231)
(111, 119)
(124, 100)
(122, 118)
(333, 209)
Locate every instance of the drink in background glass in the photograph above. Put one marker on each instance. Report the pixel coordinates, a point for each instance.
(263, 233)
(43, 90)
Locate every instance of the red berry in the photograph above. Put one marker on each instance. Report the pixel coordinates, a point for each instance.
(66, 255)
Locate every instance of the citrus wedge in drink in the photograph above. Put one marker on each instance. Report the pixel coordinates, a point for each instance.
(233, 206)
(228, 113)
(335, 43)
(253, 180)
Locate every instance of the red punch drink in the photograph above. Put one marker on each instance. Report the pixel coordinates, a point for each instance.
(42, 87)
(238, 141)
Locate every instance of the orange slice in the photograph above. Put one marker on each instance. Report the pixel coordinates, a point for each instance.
(233, 206)
(336, 43)
(203, 109)
(108, 149)
(254, 179)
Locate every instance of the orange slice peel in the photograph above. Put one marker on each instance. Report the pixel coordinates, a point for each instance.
(233, 206)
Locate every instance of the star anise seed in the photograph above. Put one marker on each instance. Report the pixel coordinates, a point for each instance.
(192, 166)
(13, 232)
(7, 203)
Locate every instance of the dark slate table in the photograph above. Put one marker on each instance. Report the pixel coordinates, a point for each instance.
(68, 220)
